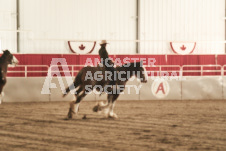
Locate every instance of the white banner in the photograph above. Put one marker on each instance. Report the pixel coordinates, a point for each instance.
(183, 48)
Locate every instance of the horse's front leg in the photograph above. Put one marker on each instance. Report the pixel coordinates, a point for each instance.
(74, 109)
(1, 98)
(71, 109)
(104, 108)
(111, 113)
(1, 94)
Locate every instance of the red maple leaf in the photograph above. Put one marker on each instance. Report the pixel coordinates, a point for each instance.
(183, 48)
(82, 47)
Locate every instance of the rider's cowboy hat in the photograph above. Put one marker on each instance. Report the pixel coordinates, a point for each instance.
(103, 42)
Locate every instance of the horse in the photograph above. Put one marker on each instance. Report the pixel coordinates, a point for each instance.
(85, 84)
(6, 59)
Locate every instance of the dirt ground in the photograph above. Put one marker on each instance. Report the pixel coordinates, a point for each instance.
(142, 125)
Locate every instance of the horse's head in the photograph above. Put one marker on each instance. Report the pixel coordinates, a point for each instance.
(9, 57)
(139, 71)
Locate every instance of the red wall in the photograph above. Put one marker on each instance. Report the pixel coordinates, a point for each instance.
(73, 59)
(45, 59)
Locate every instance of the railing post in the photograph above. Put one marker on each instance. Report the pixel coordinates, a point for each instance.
(72, 71)
(25, 74)
(222, 70)
(201, 70)
(181, 71)
(160, 70)
(222, 78)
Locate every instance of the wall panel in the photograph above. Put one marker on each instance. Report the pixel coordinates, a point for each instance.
(47, 24)
(8, 25)
(76, 19)
(162, 21)
(203, 88)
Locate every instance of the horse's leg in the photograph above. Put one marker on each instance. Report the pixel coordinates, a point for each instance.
(77, 102)
(72, 104)
(1, 94)
(78, 91)
(79, 99)
(106, 107)
(111, 113)
(71, 109)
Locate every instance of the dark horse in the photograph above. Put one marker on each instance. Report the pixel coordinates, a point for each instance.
(5, 59)
(86, 85)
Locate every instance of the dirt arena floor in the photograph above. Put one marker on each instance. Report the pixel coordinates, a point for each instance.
(142, 125)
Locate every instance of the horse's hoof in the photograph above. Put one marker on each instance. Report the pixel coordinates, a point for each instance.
(70, 113)
(66, 118)
(84, 117)
(95, 108)
(69, 116)
(112, 115)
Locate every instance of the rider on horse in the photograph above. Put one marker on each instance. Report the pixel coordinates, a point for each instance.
(107, 63)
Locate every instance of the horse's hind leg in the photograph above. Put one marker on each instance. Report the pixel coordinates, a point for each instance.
(72, 104)
(77, 92)
(77, 102)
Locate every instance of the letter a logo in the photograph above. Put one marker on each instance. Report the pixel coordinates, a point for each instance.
(160, 88)
(54, 70)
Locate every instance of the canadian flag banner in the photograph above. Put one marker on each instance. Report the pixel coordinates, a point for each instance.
(82, 47)
(183, 48)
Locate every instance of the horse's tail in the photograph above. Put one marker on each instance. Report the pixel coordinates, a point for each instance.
(75, 84)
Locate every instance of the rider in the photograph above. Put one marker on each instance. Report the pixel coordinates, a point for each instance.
(107, 62)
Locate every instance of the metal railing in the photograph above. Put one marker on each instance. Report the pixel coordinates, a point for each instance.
(223, 70)
(161, 69)
(25, 69)
(202, 70)
(65, 70)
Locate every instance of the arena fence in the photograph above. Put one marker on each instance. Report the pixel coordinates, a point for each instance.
(174, 82)
(156, 70)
